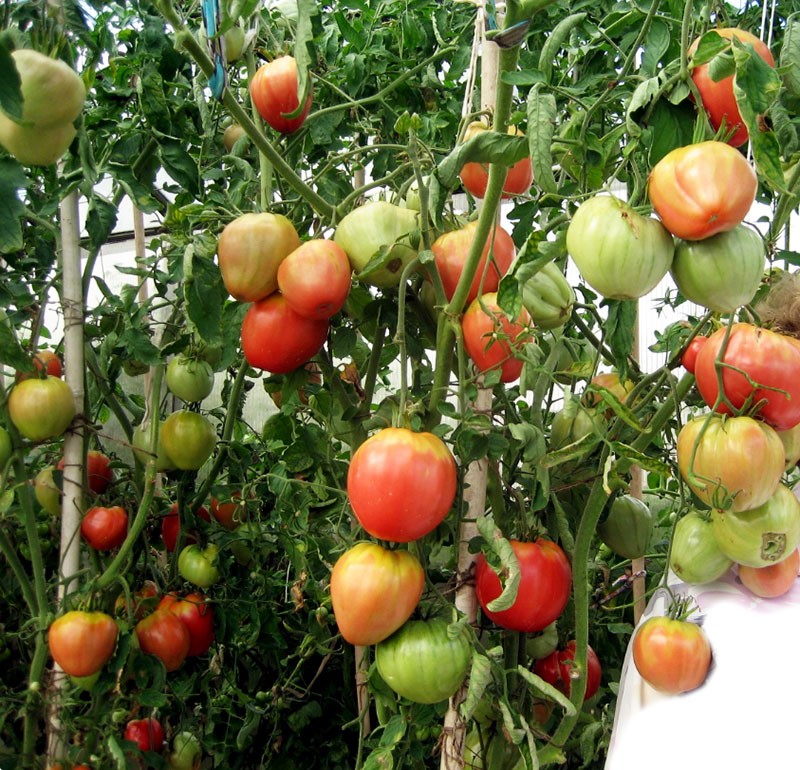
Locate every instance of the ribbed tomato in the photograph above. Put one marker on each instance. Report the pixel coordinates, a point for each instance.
(82, 642)
(195, 612)
(274, 92)
(773, 580)
(164, 635)
(694, 554)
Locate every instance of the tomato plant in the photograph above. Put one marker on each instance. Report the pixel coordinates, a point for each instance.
(715, 458)
(475, 176)
(171, 526)
(195, 612)
(273, 90)
(277, 339)
(763, 535)
(374, 591)
(147, 734)
(315, 279)
(702, 189)
(628, 527)
(689, 355)
(773, 580)
(190, 379)
(198, 565)
(759, 367)
(424, 660)
(672, 655)
(558, 669)
(620, 253)
(99, 472)
(717, 96)
(492, 339)
(401, 484)
(82, 642)
(41, 409)
(188, 439)
(105, 528)
(249, 251)
(695, 555)
(164, 635)
(450, 252)
(544, 586)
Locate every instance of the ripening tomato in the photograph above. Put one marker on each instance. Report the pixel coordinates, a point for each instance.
(689, 355)
(99, 473)
(188, 439)
(544, 586)
(41, 409)
(195, 612)
(717, 96)
(277, 339)
(475, 176)
(450, 252)
(46, 360)
(147, 734)
(773, 580)
(105, 528)
(82, 642)
(171, 525)
(250, 249)
(374, 591)
(401, 484)
(47, 491)
(164, 635)
(673, 656)
(230, 513)
(492, 339)
(761, 367)
(702, 189)
(315, 279)
(558, 669)
(274, 92)
(141, 603)
(717, 460)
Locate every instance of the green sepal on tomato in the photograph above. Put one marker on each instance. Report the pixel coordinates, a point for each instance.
(82, 642)
(374, 591)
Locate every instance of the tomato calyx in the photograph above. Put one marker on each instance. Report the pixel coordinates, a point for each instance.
(682, 607)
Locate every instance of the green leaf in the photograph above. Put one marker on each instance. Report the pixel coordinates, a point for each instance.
(789, 61)
(10, 93)
(100, 220)
(652, 464)
(180, 165)
(205, 295)
(380, 759)
(394, 730)
(655, 46)
(117, 754)
(485, 147)
(555, 41)
(503, 561)
(620, 330)
(542, 113)
(546, 690)
(711, 44)
(304, 52)
(480, 678)
(12, 354)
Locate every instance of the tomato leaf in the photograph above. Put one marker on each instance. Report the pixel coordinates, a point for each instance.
(546, 690)
(645, 461)
(303, 52)
(502, 560)
(100, 220)
(542, 114)
(655, 46)
(12, 180)
(620, 331)
(711, 44)
(394, 730)
(574, 451)
(117, 754)
(479, 679)
(11, 352)
(10, 93)
(179, 165)
(484, 147)
(205, 295)
(789, 62)
(380, 759)
(555, 41)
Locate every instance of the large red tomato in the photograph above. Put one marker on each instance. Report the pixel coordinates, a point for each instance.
(673, 656)
(492, 339)
(250, 249)
(718, 98)
(450, 253)
(374, 591)
(274, 92)
(315, 279)
(558, 669)
(196, 614)
(702, 189)
(98, 471)
(82, 642)
(717, 461)
(753, 355)
(401, 484)
(41, 409)
(475, 176)
(105, 528)
(544, 586)
(277, 339)
(164, 635)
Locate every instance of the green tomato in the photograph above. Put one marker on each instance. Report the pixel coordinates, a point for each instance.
(421, 661)
(722, 272)
(188, 439)
(760, 536)
(572, 423)
(695, 557)
(141, 442)
(41, 409)
(186, 752)
(542, 644)
(234, 43)
(190, 379)
(198, 565)
(628, 527)
(548, 297)
(47, 492)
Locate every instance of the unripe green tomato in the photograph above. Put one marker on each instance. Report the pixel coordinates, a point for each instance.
(695, 557)
(188, 439)
(198, 565)
(571, 423)
(190, 379)
(628, 527)
(234, 43)
(141, 442)
(186, 752)
(548, 297)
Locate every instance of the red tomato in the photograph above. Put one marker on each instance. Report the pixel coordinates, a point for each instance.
(557, 669)
(274, 92)
(475, 176)
(45, 360)
(98, 471)
(197, 615)
(105, 528)
(689, 355)
(718, 98)
(450, 253)
(82, 642)
(401, 484)
(753, 355)
(142, 602)
(277, 339)
(374, 591)
(702, 189)
(315, 279)
(164, 635)
(773, 580)
(544, 587)
(171, 525)
(41, 409)
(147, 734)
(491, 339)
(673, 656)
(228, 514)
